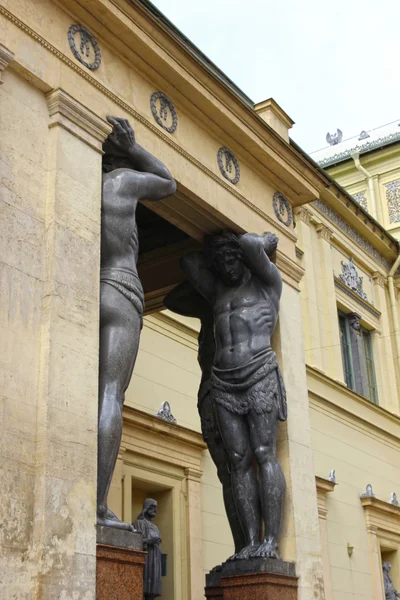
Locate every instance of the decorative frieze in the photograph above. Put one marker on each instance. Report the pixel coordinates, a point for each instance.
(361, 199)
(84, 47)
(350, 277)
(6, 56)
(393, 200)
(164, 112)
(338, 220)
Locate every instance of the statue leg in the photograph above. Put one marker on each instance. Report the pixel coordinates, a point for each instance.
(221, 460)
(264, 431)
(235, 435)
(120, 326)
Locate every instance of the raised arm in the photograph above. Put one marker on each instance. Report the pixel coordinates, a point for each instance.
(153, 180)
(256, 250)
(203, 280)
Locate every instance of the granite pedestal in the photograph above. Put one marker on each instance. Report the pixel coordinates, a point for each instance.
(119, 564)
(255, 579)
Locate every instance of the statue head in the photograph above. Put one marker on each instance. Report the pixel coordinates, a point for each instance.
(387, 566)
(225, 257)
(111, 162)
(149, 509)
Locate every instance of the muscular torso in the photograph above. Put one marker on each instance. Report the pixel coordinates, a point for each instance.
(119, 236)
(245, 318)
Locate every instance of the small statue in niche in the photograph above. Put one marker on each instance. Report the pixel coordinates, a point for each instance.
(151, 544)
(390, 591)
(130, 174)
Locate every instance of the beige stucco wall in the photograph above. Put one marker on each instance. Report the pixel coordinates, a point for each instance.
(361, 454)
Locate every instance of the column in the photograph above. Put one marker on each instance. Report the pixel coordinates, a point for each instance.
(300, 540)
(330, 340)
(64, 549)
(195, 542)
(324, 486)
(383, 350)
(309, 291)
(375, 561)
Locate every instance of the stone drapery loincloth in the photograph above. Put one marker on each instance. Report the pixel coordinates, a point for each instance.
(257, 386)
(127, 283)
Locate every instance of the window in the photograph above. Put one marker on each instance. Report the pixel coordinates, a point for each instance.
(369, 365)
(346, 351)
(357, 356)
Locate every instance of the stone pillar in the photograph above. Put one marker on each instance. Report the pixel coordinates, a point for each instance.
(64, 534)
(383, 351)
(195, 541)
(330, 340)
(309, 291)
(300, 539)
(375, 562)
(324, 486)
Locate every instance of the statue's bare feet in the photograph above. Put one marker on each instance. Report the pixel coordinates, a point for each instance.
(108, 519)
(245, 552)
(267, 549)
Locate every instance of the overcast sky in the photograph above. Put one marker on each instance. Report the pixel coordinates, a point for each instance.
(328, 64)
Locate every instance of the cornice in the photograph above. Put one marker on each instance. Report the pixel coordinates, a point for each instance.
(339, 221)
(73, 116)
(139, 419)
(6, 56)
(289, 268)
(381, 517)
(324, 485)
(356, 297)
(352, 409)
(360, 149)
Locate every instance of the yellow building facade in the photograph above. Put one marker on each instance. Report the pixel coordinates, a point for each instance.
(65, 65)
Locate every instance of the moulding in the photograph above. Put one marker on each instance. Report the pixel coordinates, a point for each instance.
(324, 486)
(354, 410)
(381, 516)
(172, 329)
(351, 232)
(356, 297)
(290, 268)
(73, 116)
(139, 419)
(6, 56)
